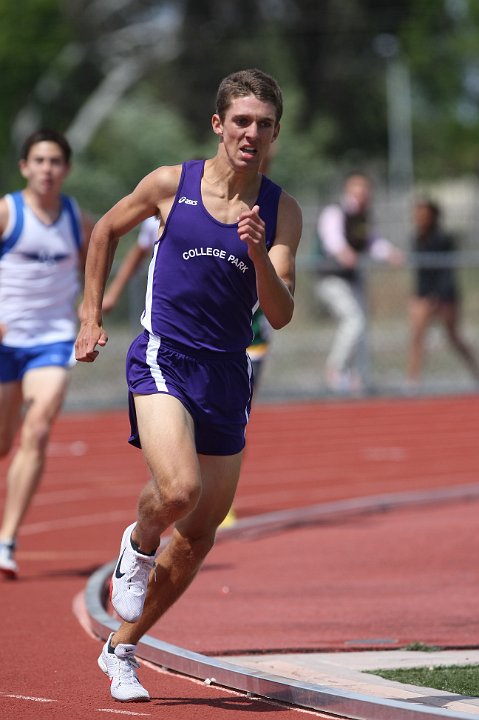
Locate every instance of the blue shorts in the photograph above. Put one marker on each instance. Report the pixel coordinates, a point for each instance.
(214, 387)
(16, 361)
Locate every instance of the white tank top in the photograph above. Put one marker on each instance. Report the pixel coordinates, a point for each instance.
(39, 281)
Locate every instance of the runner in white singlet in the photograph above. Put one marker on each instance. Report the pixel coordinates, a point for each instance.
(43, 238)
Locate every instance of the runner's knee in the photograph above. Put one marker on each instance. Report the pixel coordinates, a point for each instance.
(179, 500)
(35, 433)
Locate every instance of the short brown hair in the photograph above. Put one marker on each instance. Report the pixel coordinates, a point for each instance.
(46, 135)
(249, 82)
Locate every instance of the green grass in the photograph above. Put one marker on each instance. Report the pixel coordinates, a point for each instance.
(421, 647)
(460, 680)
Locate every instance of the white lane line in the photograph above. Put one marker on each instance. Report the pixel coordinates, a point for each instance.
(28, 697)
(80, 612)
(122, 712)
(77, 448)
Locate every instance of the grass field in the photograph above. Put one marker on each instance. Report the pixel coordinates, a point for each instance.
(460, 680)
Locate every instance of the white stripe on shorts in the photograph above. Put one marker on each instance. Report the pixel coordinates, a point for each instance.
(151, 355)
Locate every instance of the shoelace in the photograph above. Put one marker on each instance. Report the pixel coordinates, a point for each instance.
(127, 669)
(139, 575)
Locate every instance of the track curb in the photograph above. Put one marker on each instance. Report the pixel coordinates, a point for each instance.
(212, 670)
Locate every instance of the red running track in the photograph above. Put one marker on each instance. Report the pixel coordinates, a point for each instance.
(364, 581)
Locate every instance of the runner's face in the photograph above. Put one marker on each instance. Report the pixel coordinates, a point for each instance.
(247, 131)
(45, 168)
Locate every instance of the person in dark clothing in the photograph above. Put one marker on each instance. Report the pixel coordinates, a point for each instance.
(436, 292)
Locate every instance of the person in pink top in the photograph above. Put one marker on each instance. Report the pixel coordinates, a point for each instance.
(347, 235)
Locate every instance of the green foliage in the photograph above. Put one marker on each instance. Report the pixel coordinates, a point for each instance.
(141, 135)
(441, 44)
(421, 647)
(54, 55)
(31, 35)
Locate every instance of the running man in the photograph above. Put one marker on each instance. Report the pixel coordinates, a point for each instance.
(43, 239)
(229, 240)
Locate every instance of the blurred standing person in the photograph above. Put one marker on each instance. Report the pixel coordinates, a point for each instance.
(229, 240)
(346, 234)
(436, 293)
(43, 239)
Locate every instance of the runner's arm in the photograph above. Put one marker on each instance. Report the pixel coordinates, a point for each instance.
(153, 195)
(275, 270)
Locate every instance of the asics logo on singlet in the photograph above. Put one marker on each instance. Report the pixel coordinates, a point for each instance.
(187, 201)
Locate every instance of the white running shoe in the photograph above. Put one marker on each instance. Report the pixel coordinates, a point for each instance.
(8, 566)
(130, 579)
(120, 666)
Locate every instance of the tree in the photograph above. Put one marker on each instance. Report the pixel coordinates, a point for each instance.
(91, 56)
(441, 42)
(32, 34)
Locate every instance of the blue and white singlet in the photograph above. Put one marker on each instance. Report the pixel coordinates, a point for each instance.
(39, 274)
